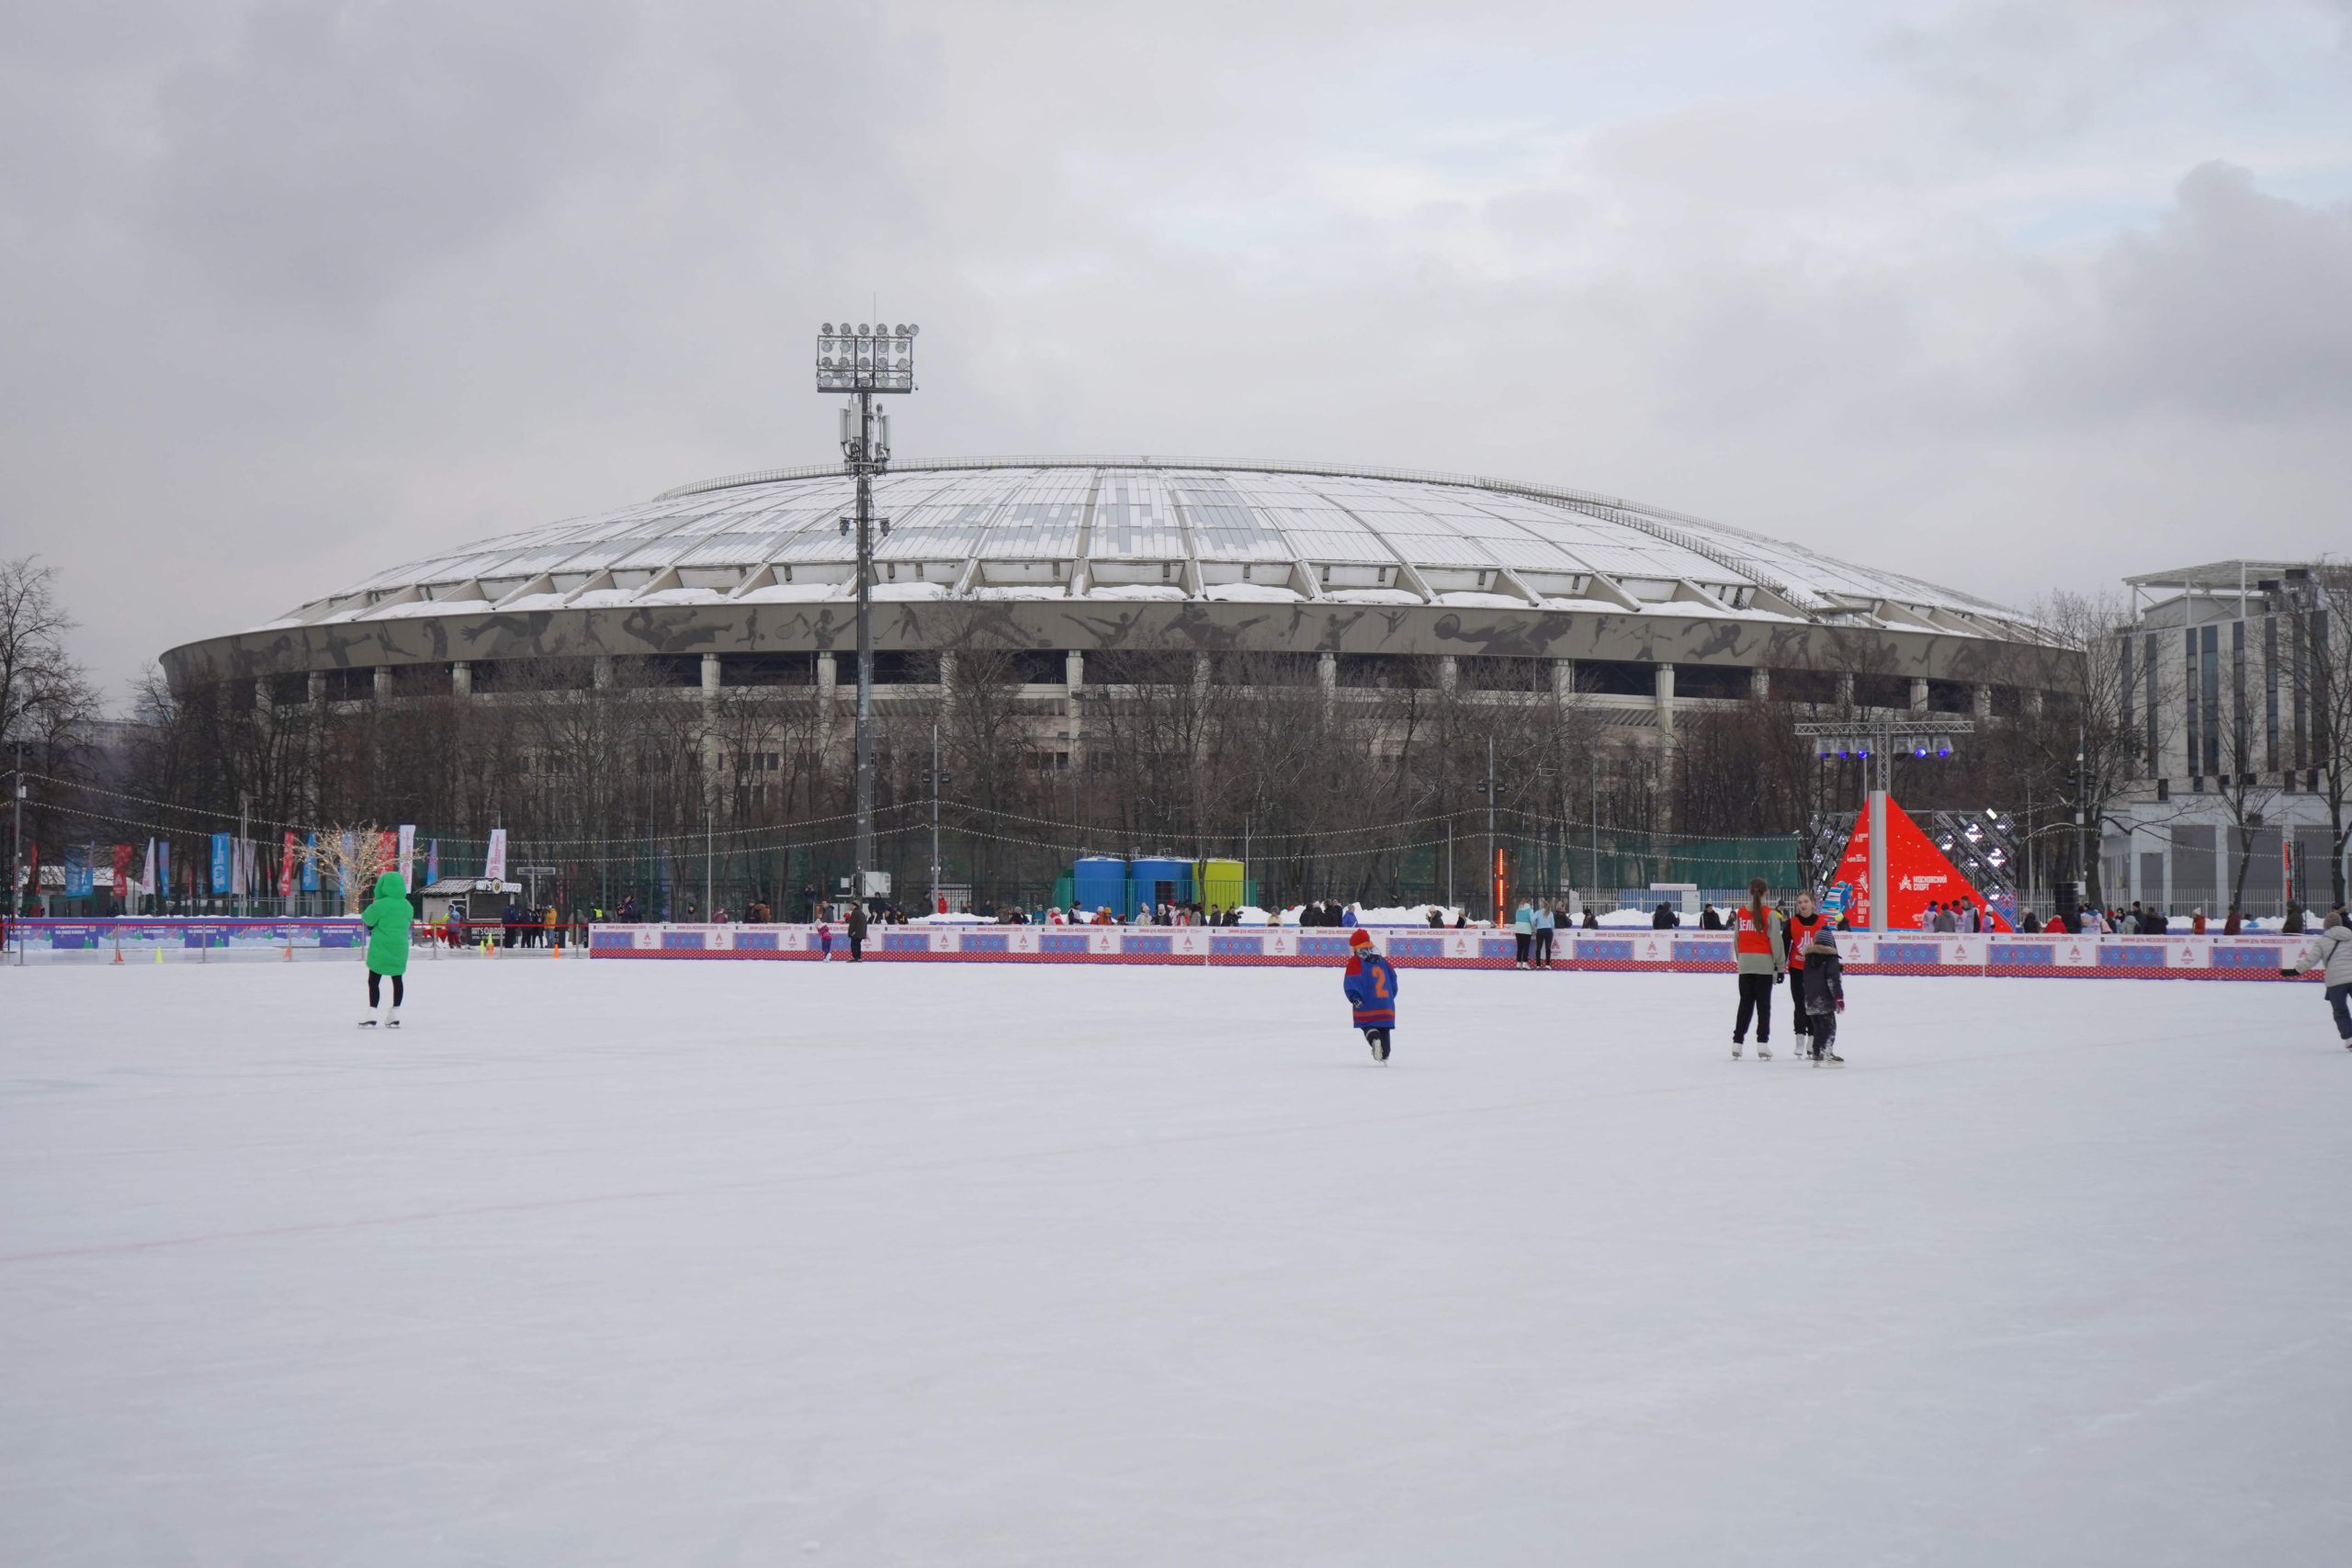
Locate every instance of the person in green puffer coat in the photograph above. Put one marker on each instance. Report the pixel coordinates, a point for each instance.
(387, 919)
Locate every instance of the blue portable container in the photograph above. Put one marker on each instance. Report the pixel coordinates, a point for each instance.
(1099, 881)
(1157, 880)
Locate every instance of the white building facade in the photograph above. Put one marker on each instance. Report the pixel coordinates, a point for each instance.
(2215, 677)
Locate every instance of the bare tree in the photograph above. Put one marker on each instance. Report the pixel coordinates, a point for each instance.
(2319, 683)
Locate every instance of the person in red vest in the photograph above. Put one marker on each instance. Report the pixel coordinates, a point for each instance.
(1759, 950)
(1801, 926)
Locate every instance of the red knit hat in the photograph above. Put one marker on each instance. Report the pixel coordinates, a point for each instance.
(1358, 938)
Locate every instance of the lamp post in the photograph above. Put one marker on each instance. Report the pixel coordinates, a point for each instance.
(1872, 737)
(865, 361)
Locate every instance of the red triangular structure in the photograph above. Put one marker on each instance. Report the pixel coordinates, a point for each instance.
(1920, 873)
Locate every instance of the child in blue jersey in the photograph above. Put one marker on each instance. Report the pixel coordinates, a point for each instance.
(1371, 985)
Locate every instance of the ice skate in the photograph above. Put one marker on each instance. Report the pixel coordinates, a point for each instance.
(1830, 1059)
(368, 1019)
(1734, 1050)
(1763, 1051)
(393, 1018)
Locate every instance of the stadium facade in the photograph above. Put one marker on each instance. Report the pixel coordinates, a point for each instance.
(1378, 578)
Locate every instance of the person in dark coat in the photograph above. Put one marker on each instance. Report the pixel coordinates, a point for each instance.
(1708, 920)
(1664, 918)
(857, 933)
(1825, 998)
(1591, 919)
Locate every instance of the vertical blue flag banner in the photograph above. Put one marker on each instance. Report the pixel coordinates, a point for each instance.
(78, 882)
(162, 888)
(220, 862)
(347, 865)
(432, 862)
(310, 863)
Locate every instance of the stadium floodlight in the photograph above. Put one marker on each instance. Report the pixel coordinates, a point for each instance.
(870, 357)
(873, 359)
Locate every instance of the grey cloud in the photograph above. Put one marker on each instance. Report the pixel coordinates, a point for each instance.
(332, 152)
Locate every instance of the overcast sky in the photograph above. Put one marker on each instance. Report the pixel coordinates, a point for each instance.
(2006, 296)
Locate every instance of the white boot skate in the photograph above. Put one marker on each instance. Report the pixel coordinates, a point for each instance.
(393, 1019)
(367, 1019)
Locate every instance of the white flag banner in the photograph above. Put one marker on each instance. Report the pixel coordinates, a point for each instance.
(495, 871)
(408, 849)
(147, 879)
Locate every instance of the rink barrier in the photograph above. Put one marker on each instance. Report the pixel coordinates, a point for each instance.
(2255, 957)
(146, 939)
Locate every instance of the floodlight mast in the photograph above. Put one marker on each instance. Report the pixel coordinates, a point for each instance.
(862, 361)
(1873, 736)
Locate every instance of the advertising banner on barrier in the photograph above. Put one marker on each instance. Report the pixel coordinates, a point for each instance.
(2255, 957)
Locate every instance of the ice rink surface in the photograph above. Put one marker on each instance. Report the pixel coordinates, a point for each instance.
(607, 1263)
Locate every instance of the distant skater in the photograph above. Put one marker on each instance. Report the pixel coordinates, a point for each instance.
(824, 942)
(857, 933)
(2331, 956)
(387, 919)
(1371, 985)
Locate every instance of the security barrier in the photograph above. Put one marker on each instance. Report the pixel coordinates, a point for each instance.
(2258, 957)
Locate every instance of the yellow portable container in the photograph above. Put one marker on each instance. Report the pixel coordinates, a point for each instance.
(1220, 882)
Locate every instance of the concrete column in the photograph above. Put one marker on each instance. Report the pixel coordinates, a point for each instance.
(1846, 690)
(384, 680)
(1664, 700)
(1074, 668)
(1759, 682)
(1563, 677)
(2033, 706)
(1449, 673)
(1327, 673)
(601, 671)
(1982, 700)
(710, 674)
(261, 702)
(462, 679)
(1919, 695)
(828, 674)
(316, 690)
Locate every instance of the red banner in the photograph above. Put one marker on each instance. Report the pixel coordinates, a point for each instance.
(286, 868)
(122, 874)
(1920, 872)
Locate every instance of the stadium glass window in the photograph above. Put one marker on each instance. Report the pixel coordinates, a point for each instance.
(1950, 696)
(1486, 672)
(1384, 670)
(1038, 667)
(1800, 686)
(897, 667)
(1883, 691)
(1132, 666)
(350, 685)
(674, 670)
(1616, 678)
(1718, 681)
(1249, 669)
(422, 681)
(767, 670)
(285, 691)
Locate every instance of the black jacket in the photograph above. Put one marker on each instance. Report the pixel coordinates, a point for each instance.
(1824, 980)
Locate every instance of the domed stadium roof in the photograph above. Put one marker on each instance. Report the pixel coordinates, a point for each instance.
(1154, 528)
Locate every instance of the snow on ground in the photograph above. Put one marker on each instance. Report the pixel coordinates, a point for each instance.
(604, 1263)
